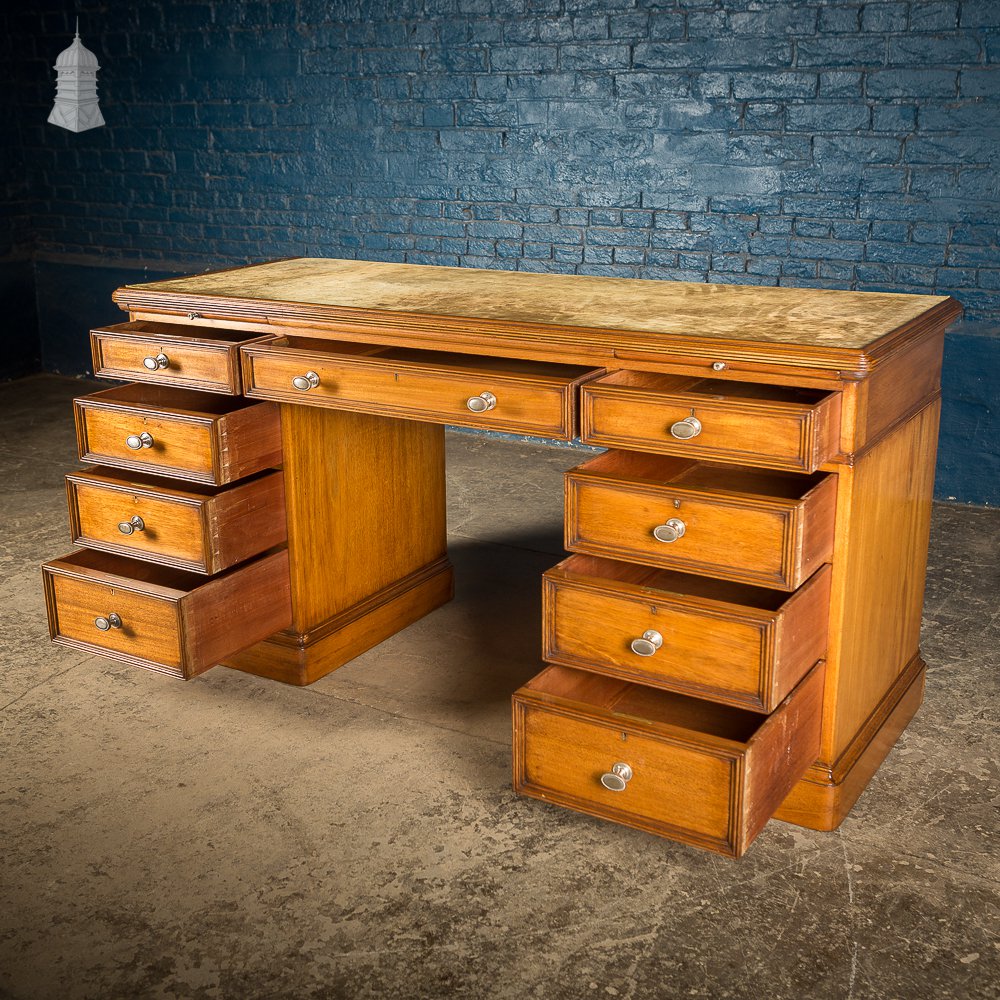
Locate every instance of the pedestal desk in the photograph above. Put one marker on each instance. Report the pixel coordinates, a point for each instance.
(735, 633)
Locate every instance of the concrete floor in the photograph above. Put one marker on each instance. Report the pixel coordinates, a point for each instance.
(233, 837)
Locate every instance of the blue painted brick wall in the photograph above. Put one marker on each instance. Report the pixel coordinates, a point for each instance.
(843, 145)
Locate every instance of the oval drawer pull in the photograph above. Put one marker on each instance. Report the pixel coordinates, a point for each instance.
(647, 644)
(112, 621)
(481, 403)
(617, 778)
(684, 430)
(133, 524)
(139, 441)
(670, 531)
(306, 382)
(157, 362)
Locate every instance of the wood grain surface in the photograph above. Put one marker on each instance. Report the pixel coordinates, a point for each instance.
(739, 312)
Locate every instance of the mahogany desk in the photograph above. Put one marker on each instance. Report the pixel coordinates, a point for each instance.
(735, 635)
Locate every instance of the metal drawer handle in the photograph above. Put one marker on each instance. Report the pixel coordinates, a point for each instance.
(671, 531)
(134, 523)
(648, 644)
(112, 621)
(156, 363)
(306, 382)
(617, 778)
(138, 441)
(481, 403)
(684, 430)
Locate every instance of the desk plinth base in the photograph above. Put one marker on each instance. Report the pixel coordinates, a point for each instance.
(823, 798)
(301, 658)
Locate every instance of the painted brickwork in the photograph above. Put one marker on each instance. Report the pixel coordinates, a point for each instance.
(843, 145)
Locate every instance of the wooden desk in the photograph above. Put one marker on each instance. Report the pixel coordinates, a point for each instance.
(735, 635)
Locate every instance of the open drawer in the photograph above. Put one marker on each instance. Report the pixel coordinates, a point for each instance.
(161, 618)
(769, 528)
(739, 645)
(691, 770)
(177, 432)
(192, 526)
(503, 394)
(775, 426)
(198, 357)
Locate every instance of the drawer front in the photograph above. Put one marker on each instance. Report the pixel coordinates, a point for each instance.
(736, 655)
(175, 432)
(169, 355)
(755, 542)
(149, 631)
(698, 787)
(204, 532)
(493, 399)
(160, 618)
(628, 410)
(174, 446)
(681, 790)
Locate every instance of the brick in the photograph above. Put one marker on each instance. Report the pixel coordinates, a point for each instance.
(716, 52)
(894, 118)
(592, 28)
(957, 277)
(933, 16)
(782, 19)
(821, 117)
(841, 50)
(776, 85)
(971, 116)
(827, 249)
(934, 50)
(980, 14)
(836, 18)
(841, 83)
(905, 253)
(923, 83)
(812, 227)
(665, 26)
(764, 117)
(593, 56)
(849, 151)
(523, 58)
(656, 85)
(884, 17)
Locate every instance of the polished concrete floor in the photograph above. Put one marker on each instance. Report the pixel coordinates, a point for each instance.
(234, 837)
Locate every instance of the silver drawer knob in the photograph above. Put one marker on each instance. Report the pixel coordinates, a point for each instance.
(617, 778)
(686, 429)
(156, 363)
(112, 621)
(139, 441)
(133, 524)
(671, 531)
(306, 382)
(481, 403)
(647, 644)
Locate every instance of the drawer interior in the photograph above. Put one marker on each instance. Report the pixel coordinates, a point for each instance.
(116, 479)
(714, 388)
(669, 582)
(104, 567)
(141, 395)
(435, 359)
(662, 470)
(149, 330)
(625, 699)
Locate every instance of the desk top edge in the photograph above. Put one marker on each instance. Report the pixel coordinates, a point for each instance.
(842, 324)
